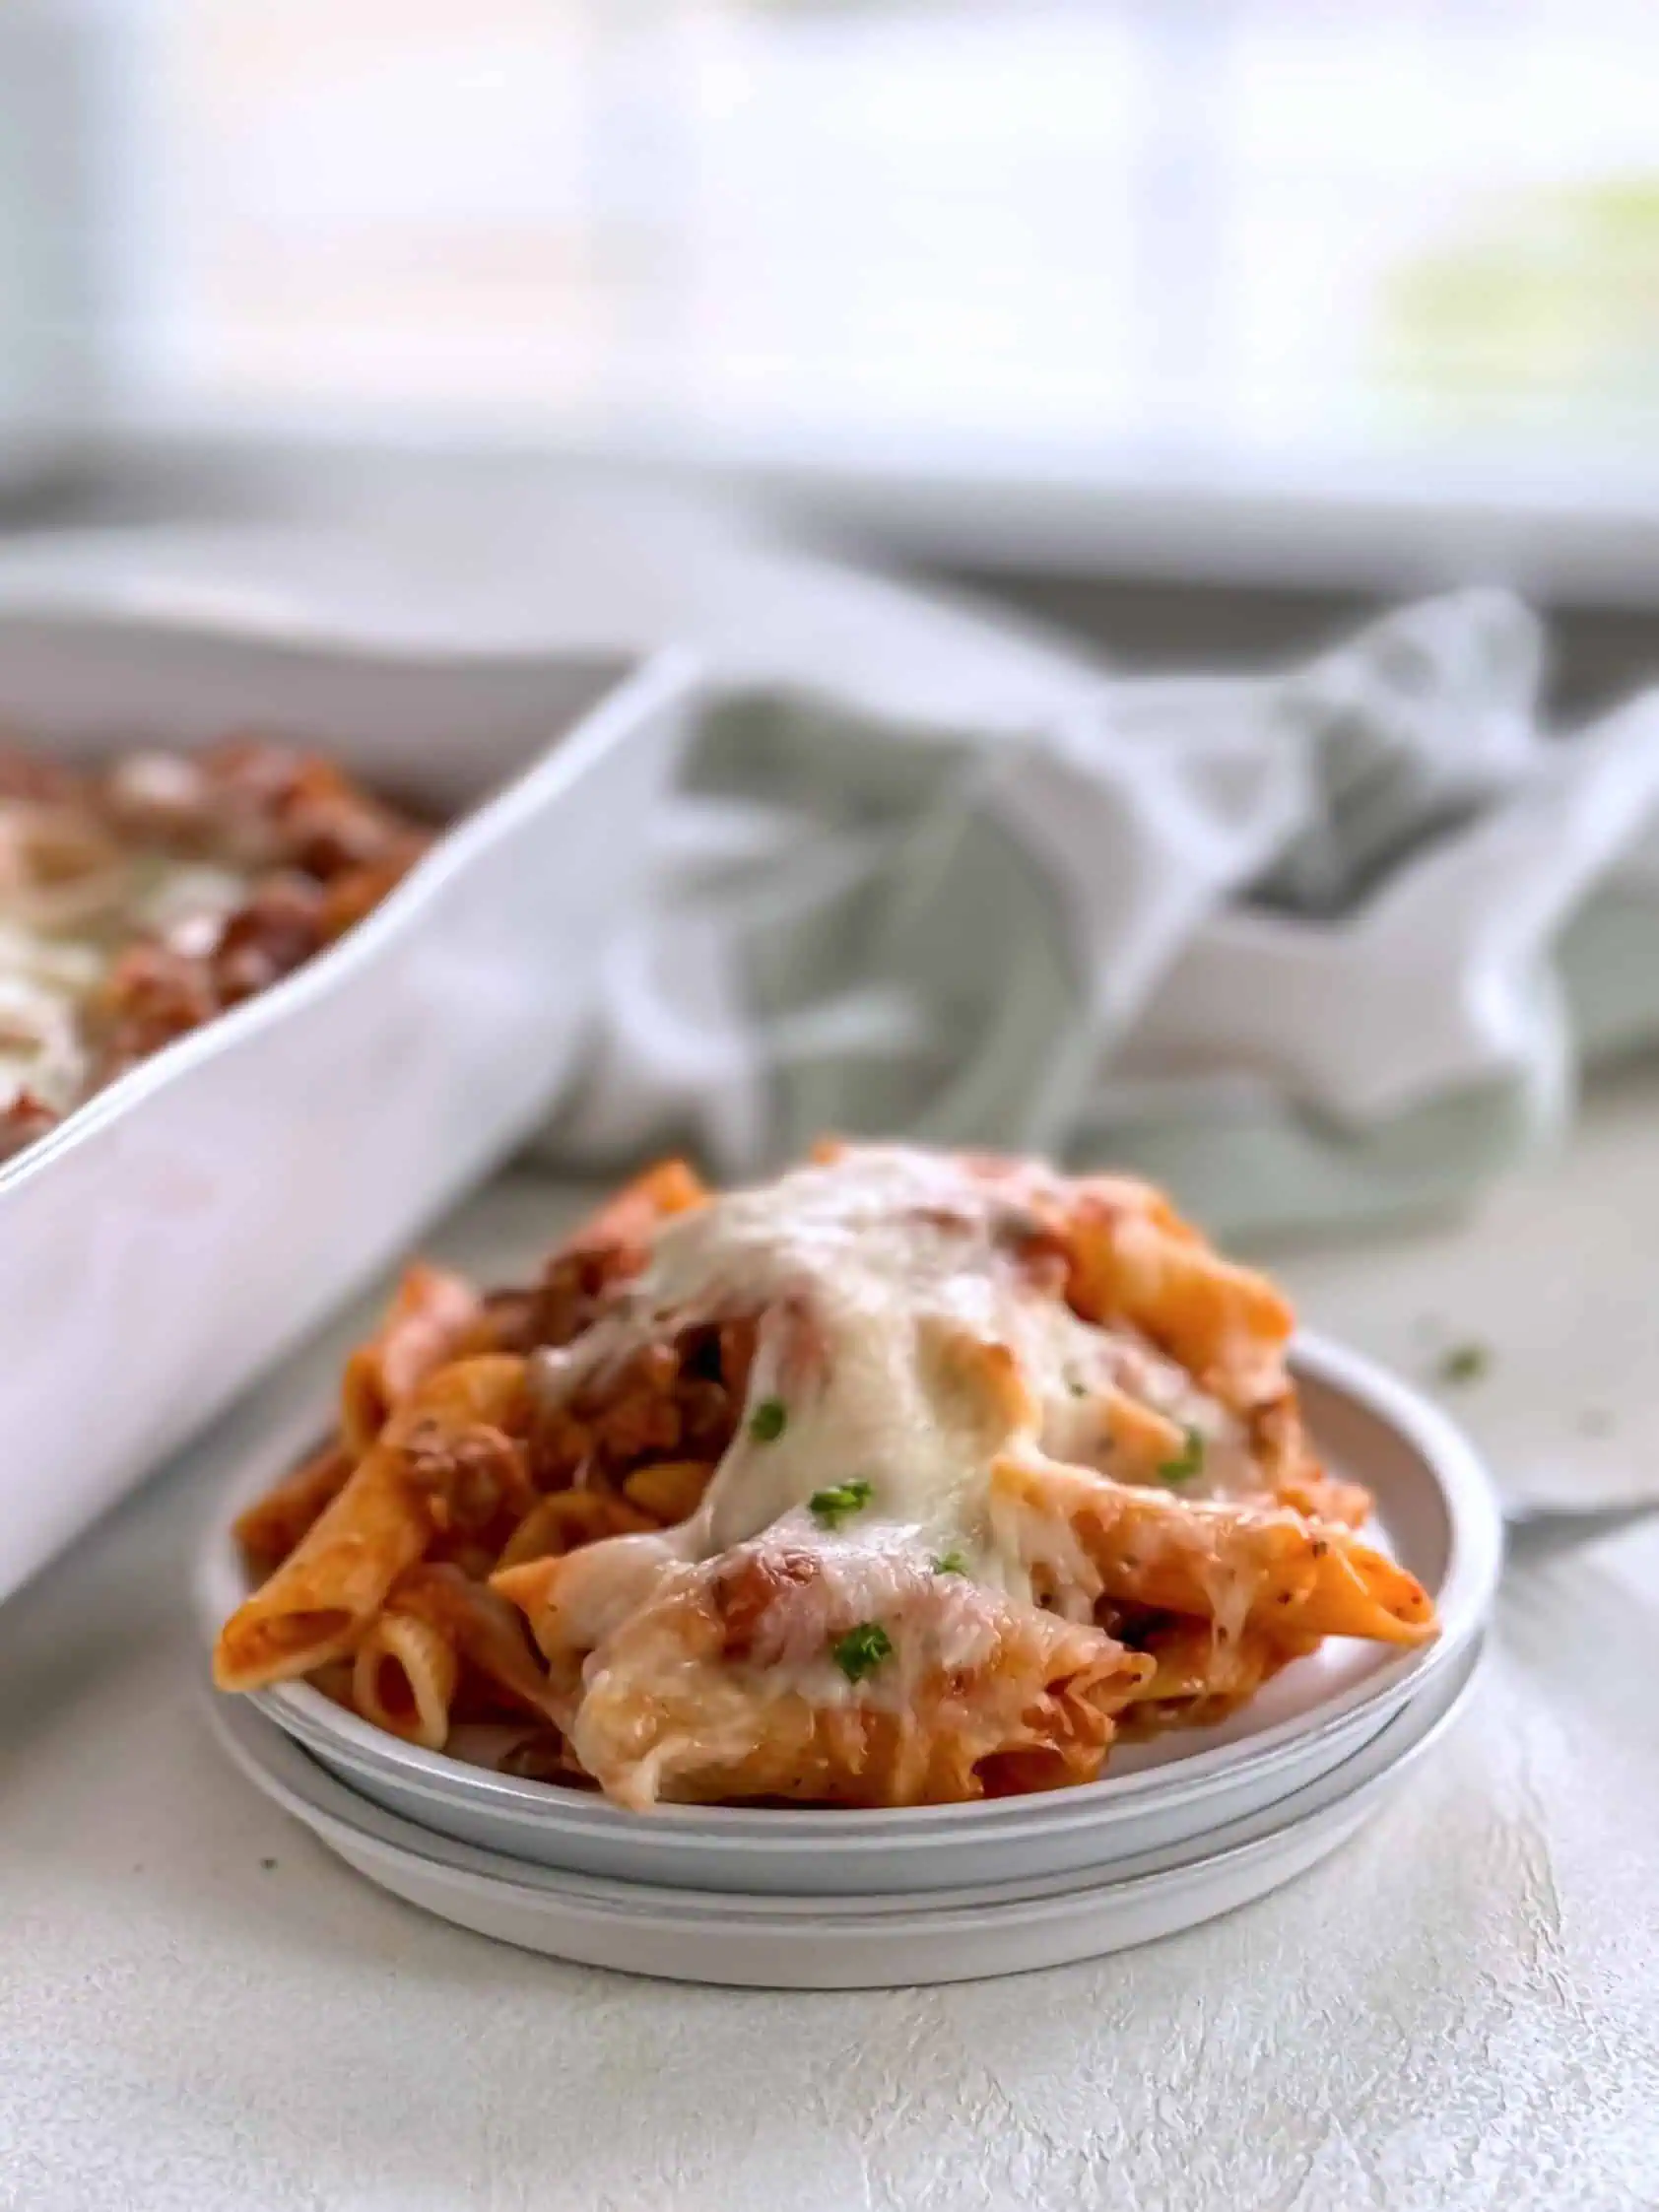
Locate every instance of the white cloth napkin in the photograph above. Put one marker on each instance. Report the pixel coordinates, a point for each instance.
(1313, 945)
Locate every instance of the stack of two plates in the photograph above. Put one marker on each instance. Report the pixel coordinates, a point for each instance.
(1180, 1830)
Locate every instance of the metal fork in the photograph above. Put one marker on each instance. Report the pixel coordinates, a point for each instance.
(1574, 1524)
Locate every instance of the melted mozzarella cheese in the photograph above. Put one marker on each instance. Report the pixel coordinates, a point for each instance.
(902, 1344)
(59, 936)
(187, 903)
(42, 987)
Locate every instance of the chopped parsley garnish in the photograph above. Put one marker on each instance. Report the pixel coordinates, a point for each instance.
(831, 1506)
(951, 1563)
(1464, 1363)
(862, 1649)
(1189, 1461)
(768, 1421)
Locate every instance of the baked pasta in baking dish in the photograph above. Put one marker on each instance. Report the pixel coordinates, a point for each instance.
(905, 1478)
(142, 897)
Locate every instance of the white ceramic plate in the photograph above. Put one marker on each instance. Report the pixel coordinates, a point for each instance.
(1436, 1509)
(815, 1943)
(200, 1216)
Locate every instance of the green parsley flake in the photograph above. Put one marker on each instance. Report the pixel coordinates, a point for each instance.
(1464, 1363)
(862, 1649)
(831, 1506)
(768, 1421)
(1189, 1462)
(951, 1563)
(1078, 1389)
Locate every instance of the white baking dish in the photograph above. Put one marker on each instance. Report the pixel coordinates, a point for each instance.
(196, 1219)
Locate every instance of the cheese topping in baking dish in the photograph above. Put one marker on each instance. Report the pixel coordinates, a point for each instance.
(912, 1334)
(140, 899)
(42, 987)
(53, 962)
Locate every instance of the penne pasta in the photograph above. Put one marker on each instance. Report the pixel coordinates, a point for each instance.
(568, 1519)
(670, 1188)
(482, 1628)
(908, 1478)
(1198, 1680)
(270, 1529)
(1139, 1264)
(323, 1597)
(668, 1489)
(404, 1677)
(1228, 1563)
(430, 1317)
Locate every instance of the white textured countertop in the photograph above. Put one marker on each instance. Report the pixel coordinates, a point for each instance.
(200, 2011)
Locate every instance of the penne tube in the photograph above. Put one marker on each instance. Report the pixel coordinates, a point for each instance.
(669, 1187)
(1129, 1256)
(489, 1390)
(568, 1519)
(482, 1627)
(1224, 1323)
(325, 1594)
(608, 1248)
(270, 1529)
(334, 1680)
(322, 1597)
(1198, 1680)
(667, 1491)
(430, 1316)
(1226, 1561)
(571, 1602)
(404, 1678)
(1360, 1592)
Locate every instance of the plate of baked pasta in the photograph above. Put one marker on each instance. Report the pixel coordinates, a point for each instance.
(910, 1519)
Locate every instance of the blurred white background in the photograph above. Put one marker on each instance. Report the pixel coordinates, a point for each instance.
(1269, 223)
(1000, 276)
